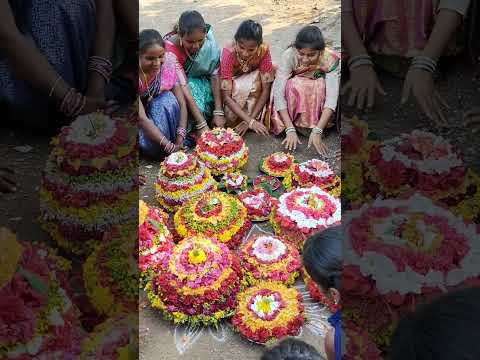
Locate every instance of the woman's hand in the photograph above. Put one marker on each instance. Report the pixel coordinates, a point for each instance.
(291, 141)
(241, 128)
(259, 128)
(363, 85)
(179, 142)
(315, 139)
(219, 121)
(421, 84)
(93, 104)
(7, 180)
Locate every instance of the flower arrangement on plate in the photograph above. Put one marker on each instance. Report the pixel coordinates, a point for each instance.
(419, 161)
(316, 292)
(258, 203)
(269, 258)
(304, 211)
(234, 182)
(272, 182)
(214, 214)
(90, 182)
(37, 317)
(278, 164)
(358, 345)
(182, 177)
(112, 339)
(268, 312)
(314, 172)
(222, 150)
(354, 139)
(154, 240)
(110, 274)
(197, 283)
(399, 252)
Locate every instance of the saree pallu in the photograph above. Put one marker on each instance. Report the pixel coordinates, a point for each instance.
(246, 89)
(305, 100)
(63, 31)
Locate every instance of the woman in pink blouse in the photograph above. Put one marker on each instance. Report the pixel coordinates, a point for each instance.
(247, 74)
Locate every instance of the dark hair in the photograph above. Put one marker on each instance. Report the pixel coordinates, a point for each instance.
(322, 257)
(250, 30)
(310, 37)
(446, 328)
(149, 37)
(190, 21)
(292, 349)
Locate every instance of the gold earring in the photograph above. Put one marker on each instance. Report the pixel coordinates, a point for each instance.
(181, 43)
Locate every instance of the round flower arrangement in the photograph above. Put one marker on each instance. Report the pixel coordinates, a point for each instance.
(317, 294)
(222, 151)
(182, 177)
(278, 164)
(113, 339)
(234, 182)
(269, 311)
(315, 172)
(304, 211)
(258, 203)
(269, 258)
(420, 161)
(400, 252)
(197, 282)
(215, 214)
(154, 240)
(110, 274)
(272, 182)
(358, 345)
(37, 318)
(90, 182)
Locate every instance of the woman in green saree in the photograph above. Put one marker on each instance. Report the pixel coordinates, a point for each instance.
(198, 59)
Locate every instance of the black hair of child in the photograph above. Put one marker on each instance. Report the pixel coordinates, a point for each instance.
(322, 257)
(189, 22)
(444, 329)
(310, 37)
(149, 37)
(292, 349)
(250, 30)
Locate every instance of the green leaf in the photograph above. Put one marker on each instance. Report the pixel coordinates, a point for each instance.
(34, 280)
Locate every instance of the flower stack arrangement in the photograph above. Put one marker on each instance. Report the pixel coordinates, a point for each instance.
(358, 345)
(278, 164)
(214, 214)
(304, 211)
(37, 318)
(316, 293)
(268, 312)
(418, 161)
(90, 181)
(110, 274)
(258, 203)
(222, 150)
(112, 339)
(197, 283)
(400, 252)
(269, 258)
(182, 177)
(154, 240)
(235, 182)
(315, 172)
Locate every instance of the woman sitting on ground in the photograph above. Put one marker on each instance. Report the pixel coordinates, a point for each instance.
(247, 74)
(305, 91)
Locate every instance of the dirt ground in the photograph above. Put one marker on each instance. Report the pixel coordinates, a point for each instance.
(281, 20)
